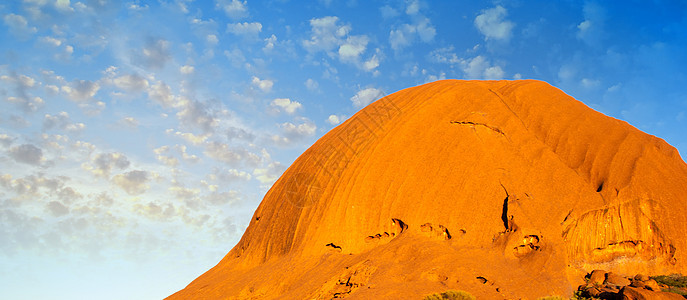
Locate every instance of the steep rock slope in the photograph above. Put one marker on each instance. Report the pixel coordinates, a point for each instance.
(505, 189)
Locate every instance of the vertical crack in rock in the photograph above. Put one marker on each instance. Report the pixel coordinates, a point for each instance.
(504, 212)
(566, 217)
(601, 187)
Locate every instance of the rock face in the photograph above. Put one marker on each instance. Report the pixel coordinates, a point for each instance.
(504, 189)
(630, 293)
(613, 286)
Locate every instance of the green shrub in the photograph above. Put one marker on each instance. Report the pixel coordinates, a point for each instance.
(674, 280)
(579, 295)
(678, 291)
(451, 295)
(551, 298)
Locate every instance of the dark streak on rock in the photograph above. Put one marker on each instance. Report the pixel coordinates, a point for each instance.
(499, 131)
(504, 211)
(333, 246)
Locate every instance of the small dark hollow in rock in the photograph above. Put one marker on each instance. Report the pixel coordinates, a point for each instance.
(333, 246)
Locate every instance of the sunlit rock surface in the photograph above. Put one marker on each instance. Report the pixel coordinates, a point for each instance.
(504, 189)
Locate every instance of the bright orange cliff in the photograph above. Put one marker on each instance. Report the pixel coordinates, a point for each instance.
(504, 189)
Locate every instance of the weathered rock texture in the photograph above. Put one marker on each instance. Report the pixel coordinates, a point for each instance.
(505, 189)
(611, 286)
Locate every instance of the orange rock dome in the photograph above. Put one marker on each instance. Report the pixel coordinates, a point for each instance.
(504, 189)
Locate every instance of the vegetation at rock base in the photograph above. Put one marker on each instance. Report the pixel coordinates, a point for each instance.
(579, 295)
(674, 280)
(451, 295)
(675, 283)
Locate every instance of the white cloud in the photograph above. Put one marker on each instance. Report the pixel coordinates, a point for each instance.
(102, 164)
(493, 25)
(54, 142)
(94, 108)
(444, 55)
(493, 72)
(156, 211)
(133, 182)
(196, 114)
(27, 104)
(326, 34)
(293, 133)
(187, 69)
(413, 7)
(311, 84)
(130, 122)
(245, 29)
(136, 7)
(236, 57)
(56, 208)
(335, 119)
(406, 34)
(264, 85)
(80, 90)
(235, 9)
(433, 77)
(168, 160)
(366, 96)
(61, 121)
(230, 175)
(63, 5)
(51, 41)
(480, 68)
(162, 94)
(6, 140)
(589, 83)
(189, 137)
(22, 86)
(131, 83)
(388, 12)
(269, 174)
(269, 43)
(190, 158)
(286, 105)
(18, 25)
(371, 64)
(65, 54)
(591, 29)
(183, 193)
(52, 90)
(169, 155)
(233, 156)
(401, 38)
(222, 198)
(154, 54)
(307, 128)
(583, 27)
(425, 30)
(212, 39)
(27, 153)
(353, 48)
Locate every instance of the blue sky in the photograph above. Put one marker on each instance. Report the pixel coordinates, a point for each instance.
(137, 138)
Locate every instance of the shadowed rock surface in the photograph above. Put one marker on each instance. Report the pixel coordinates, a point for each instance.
(504, 189)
